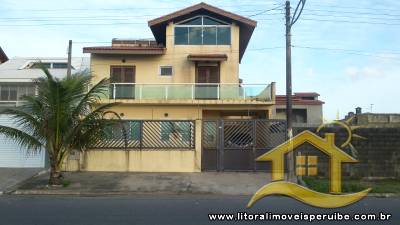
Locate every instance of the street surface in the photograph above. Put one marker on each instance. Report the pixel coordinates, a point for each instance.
(169, 209)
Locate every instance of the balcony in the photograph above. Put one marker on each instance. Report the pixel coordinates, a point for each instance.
(192, 92)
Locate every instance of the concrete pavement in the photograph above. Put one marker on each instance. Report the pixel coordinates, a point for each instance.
(101, 183)
(9, 177)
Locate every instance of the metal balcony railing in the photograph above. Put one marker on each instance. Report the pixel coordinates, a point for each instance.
(191, 91)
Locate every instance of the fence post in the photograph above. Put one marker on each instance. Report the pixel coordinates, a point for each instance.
(221, 145)
(254, 147)
(141, 135)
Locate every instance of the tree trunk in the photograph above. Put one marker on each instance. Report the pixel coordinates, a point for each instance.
(56, 178)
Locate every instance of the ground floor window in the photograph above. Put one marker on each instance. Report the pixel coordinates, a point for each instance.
(176, 129)
(148, 134)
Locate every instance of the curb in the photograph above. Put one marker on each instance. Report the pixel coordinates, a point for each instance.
(101, 193)
(384, 195)
(127, 193)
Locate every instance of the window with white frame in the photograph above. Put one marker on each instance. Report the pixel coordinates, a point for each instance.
(166, 71)
(202, 30)
(14, 92)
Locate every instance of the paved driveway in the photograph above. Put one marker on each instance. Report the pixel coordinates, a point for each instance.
(12, 176)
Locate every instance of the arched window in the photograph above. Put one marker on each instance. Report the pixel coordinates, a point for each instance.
(202, 30)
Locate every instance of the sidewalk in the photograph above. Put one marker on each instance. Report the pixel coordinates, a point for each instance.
(9, 177)
(109, 183)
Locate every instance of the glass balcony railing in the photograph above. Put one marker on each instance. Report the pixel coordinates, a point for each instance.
(191, 91)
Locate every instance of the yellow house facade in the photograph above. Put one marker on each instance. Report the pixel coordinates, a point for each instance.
(169, 86)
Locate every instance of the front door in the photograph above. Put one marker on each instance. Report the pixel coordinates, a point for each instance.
(207, 81)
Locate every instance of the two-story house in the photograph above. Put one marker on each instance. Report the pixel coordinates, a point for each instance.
(167, 88)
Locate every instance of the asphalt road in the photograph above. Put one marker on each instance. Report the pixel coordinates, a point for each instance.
(168, 209)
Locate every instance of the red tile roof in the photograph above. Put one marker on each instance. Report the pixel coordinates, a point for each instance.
(207, 7)
(297, 99)
(306, 94)
(207, 57)
(144, 50)
(158, 25)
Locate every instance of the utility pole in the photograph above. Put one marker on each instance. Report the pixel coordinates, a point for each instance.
(289, 117)
(69, 59)
(288, 71)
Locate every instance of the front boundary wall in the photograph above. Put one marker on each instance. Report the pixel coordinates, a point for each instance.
(133, 159)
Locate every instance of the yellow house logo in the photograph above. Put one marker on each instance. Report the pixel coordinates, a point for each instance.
(303, 194)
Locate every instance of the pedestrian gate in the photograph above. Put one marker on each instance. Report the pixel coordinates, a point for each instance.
(233, 145)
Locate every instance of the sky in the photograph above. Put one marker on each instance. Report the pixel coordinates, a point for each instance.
(347, 51)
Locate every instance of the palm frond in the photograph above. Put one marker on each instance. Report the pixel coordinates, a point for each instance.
(94, 120)
(91, 97)
(21, 138)
(21, 117)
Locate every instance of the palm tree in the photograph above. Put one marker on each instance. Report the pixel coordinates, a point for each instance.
(65, 115)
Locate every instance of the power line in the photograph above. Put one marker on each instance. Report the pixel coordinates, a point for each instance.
(352, 12)
(105, 17)
(352, 21)
(266, 48)
(359, 8)
(131, 8)
(69, 24)
(353, 52)
(71, 17)
(35, 19)
(349, 16)
(265, 11)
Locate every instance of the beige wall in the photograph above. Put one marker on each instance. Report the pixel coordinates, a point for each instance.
(149, 160)
(177, 112)
(147, 67)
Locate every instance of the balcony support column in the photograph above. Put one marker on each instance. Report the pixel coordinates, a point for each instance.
(192, 91)
(218, 89)
(114, 91)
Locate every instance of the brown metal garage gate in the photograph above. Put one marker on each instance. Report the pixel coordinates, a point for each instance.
(233, 145)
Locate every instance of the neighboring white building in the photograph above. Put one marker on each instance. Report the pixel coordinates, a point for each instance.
(3, 56)
(16, 80)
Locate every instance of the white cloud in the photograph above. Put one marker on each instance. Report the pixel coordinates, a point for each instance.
(356, 73)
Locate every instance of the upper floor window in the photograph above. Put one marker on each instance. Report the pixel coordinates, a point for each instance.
(14, 92)
(165, 70)
(40, 65)
(202, 30)
(60, 65)
(49, 65)
(122, 74)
